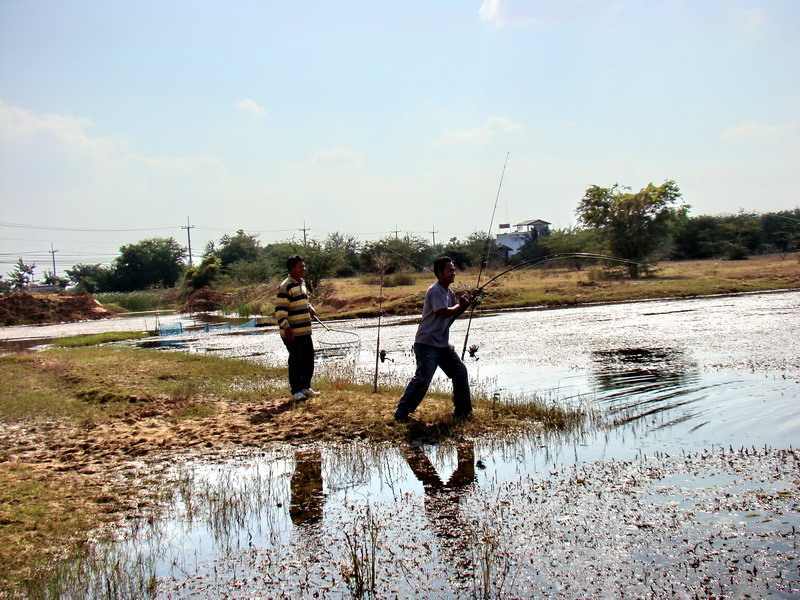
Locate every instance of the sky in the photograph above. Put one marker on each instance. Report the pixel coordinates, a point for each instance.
(121, 120)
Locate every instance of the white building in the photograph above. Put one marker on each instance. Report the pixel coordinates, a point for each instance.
(512, 241)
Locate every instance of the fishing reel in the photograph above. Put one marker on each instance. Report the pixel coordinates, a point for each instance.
(477, 296)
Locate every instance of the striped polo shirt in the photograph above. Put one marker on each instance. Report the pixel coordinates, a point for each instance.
(292, 307)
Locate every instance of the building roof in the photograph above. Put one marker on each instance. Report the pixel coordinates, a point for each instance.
(532, 222)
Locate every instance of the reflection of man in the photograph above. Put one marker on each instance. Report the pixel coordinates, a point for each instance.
(442, 500)
(306, 503)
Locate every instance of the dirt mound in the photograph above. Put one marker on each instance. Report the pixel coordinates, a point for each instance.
(21, 308)
(205, 300)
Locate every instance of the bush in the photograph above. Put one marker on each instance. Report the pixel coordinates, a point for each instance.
(398, 279)
(736, 252)
(136, 301)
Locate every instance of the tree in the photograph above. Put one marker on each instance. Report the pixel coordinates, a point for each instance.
(319, 263)
(345, 248)
(203, 274)
(5, 286)
(150, 263)
(238, 247)
(635, 225)
(471, 251)
(408, 252)
(91, 278)
(782, 229)
(53, 279)
(561, 241)
(22, 275)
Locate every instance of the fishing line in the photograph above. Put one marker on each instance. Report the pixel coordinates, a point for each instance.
(485, 258)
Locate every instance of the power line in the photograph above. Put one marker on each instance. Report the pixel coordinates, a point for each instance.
(83, 229)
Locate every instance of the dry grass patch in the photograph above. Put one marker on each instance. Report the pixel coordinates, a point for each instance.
(40, 521)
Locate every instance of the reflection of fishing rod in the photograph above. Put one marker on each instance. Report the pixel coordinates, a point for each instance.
(478, 292)
(485, 257)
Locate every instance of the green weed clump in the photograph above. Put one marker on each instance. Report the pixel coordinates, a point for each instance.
(93, 339)
(138, 301)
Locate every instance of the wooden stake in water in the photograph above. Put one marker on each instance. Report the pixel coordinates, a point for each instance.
(378, 342)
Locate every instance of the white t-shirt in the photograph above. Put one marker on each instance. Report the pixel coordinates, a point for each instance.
(434, 330)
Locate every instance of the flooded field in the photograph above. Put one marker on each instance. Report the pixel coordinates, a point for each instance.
(682, 481)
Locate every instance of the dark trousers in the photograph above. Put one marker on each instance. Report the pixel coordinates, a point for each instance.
(301, 362)
(428, 358)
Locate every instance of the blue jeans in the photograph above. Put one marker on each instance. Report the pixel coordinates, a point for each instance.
(428, 358)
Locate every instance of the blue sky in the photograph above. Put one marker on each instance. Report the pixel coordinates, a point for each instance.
(362, 116)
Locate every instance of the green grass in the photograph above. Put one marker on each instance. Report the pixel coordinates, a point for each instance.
(139, 301)
(37, 521)
(93, 339)
(38, 393)
(100, 382)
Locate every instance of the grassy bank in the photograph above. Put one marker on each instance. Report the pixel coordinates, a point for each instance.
(94, 339)
(77, 418)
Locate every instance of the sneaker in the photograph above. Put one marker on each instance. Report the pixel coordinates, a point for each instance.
(310, 392)
(298, 396)
(403, 417)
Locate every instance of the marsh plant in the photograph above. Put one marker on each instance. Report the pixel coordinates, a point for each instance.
(99, 571)
(359, 565)
(491, 562)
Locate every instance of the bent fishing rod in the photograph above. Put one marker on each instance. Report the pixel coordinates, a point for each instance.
(485, 257)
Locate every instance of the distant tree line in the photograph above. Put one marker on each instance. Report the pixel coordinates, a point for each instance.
(645, 226)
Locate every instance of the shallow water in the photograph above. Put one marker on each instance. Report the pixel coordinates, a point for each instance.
(678, 485)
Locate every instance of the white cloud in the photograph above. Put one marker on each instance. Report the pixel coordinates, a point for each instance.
(501, 13)
(759, 131)
(493, 127)
(519, 13)
(252, 107)
(18, 125)
(56, 167)
(752, 20)
(341, 156)
(490, 12)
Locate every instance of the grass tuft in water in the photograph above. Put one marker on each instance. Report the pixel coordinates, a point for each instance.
(94, 339)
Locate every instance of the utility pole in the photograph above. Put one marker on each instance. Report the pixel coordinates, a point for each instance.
(304, 230)
(188, 229)
(433, 233)
(53, 254)
(396, 233)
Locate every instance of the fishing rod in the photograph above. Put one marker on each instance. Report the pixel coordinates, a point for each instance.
(485, 257)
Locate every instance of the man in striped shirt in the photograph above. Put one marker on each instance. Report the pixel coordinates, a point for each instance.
(293, 313)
